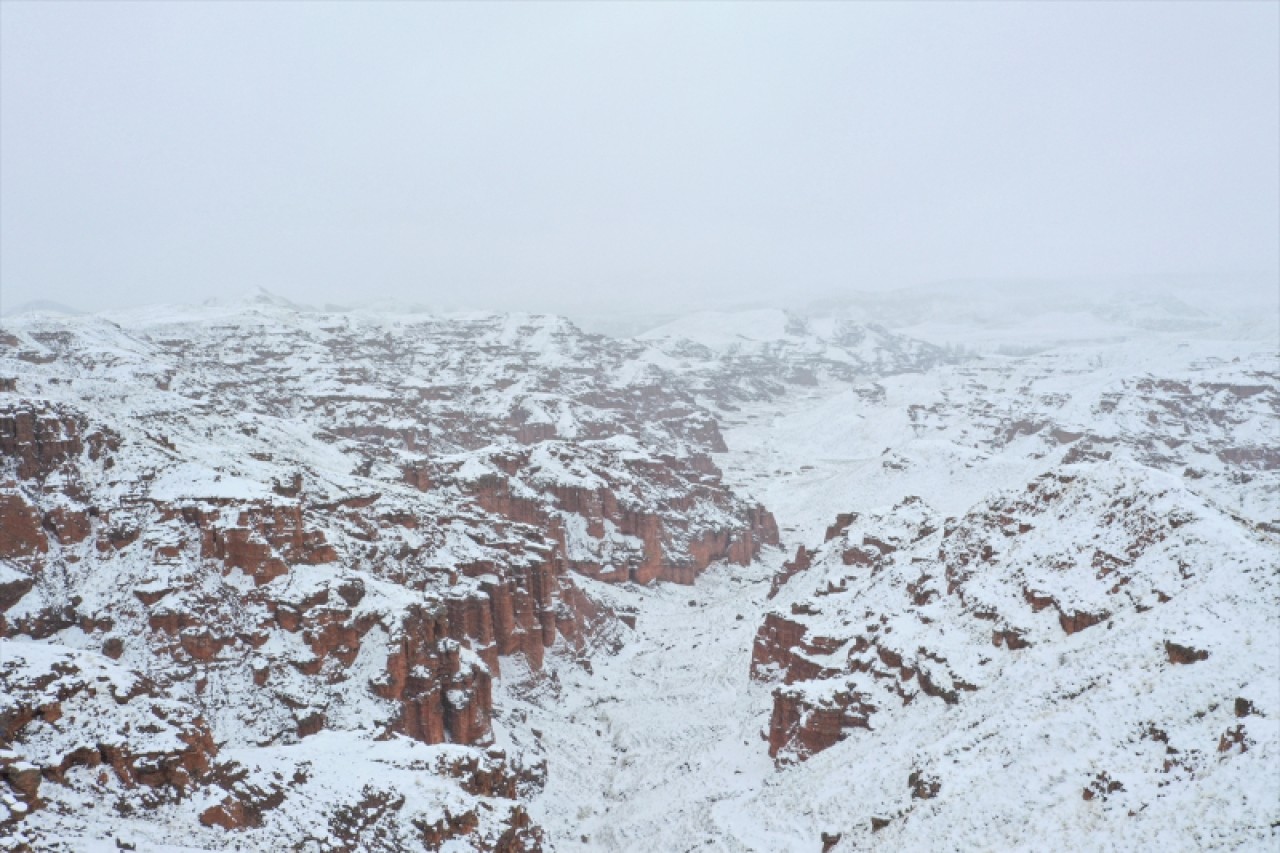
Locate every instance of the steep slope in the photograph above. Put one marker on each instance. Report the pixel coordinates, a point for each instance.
(904, 606)
(1077, 641)
(316, 532)
(1098, 588)
(272, 577)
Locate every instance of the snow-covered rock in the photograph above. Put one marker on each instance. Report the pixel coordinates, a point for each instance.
(384, 580)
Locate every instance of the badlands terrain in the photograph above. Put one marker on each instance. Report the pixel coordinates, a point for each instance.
(904, 572)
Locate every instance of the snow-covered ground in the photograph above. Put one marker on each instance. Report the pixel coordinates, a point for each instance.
(659, 745)
(656, 737)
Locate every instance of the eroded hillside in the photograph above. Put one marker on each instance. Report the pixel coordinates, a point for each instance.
(279, 579)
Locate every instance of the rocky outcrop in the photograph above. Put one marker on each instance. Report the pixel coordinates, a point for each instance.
(262, 539)
(1181, 654)
(21, 534)
(801, 561)
(20, 781)
(775, 640)
(353, 549)
(479, 810)
(37, 438)
(630, 519)
(863, 618)
(443, 694)
(801, 725)
(86, 712)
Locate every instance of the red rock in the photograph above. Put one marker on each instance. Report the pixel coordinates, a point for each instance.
(1011, 638)
(1079, 620)
(1183, 654)
(842, 522)
(441, 697)
(170, 621)
(1037, 601)
(24, 780)
(311, 724)
(493, 493)
(244, 808)
(12, 591)
(331, 633)
(799, 563)
(150, 596)
(1233, 737)
(267, 538)
(923, 786)
(41, 437)
(68, 526)
(773, 644)
(803, 728)
(201, 644)
(21, 534)
(449, 827)
(419, 477)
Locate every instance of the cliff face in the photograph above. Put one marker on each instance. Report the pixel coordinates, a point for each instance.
(374, 582)
(307, 528)
(41, 437)
(616, 513)
(904, 607)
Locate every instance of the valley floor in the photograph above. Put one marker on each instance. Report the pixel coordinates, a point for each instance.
(662, 746)
(656, 739)
(658, 745)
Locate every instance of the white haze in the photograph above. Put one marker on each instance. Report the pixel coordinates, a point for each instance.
(642, 158)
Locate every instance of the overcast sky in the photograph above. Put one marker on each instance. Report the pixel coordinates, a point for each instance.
(638, 156)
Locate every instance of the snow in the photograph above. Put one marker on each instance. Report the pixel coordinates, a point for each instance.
(191, 480)
(722, 330)
(656, 743)
(658, 748)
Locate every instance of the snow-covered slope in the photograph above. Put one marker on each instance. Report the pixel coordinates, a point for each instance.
(1034, 597)
(296, 525)
(734, 357)
(1120, 627)
(278, 578)
(1033, 316)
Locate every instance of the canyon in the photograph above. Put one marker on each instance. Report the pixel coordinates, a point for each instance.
(281, 578)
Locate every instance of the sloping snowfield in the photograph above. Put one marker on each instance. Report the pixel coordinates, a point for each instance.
(660, 743)
(659, 747)
(657, 738)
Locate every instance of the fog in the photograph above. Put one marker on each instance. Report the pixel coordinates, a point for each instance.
(575, 157)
